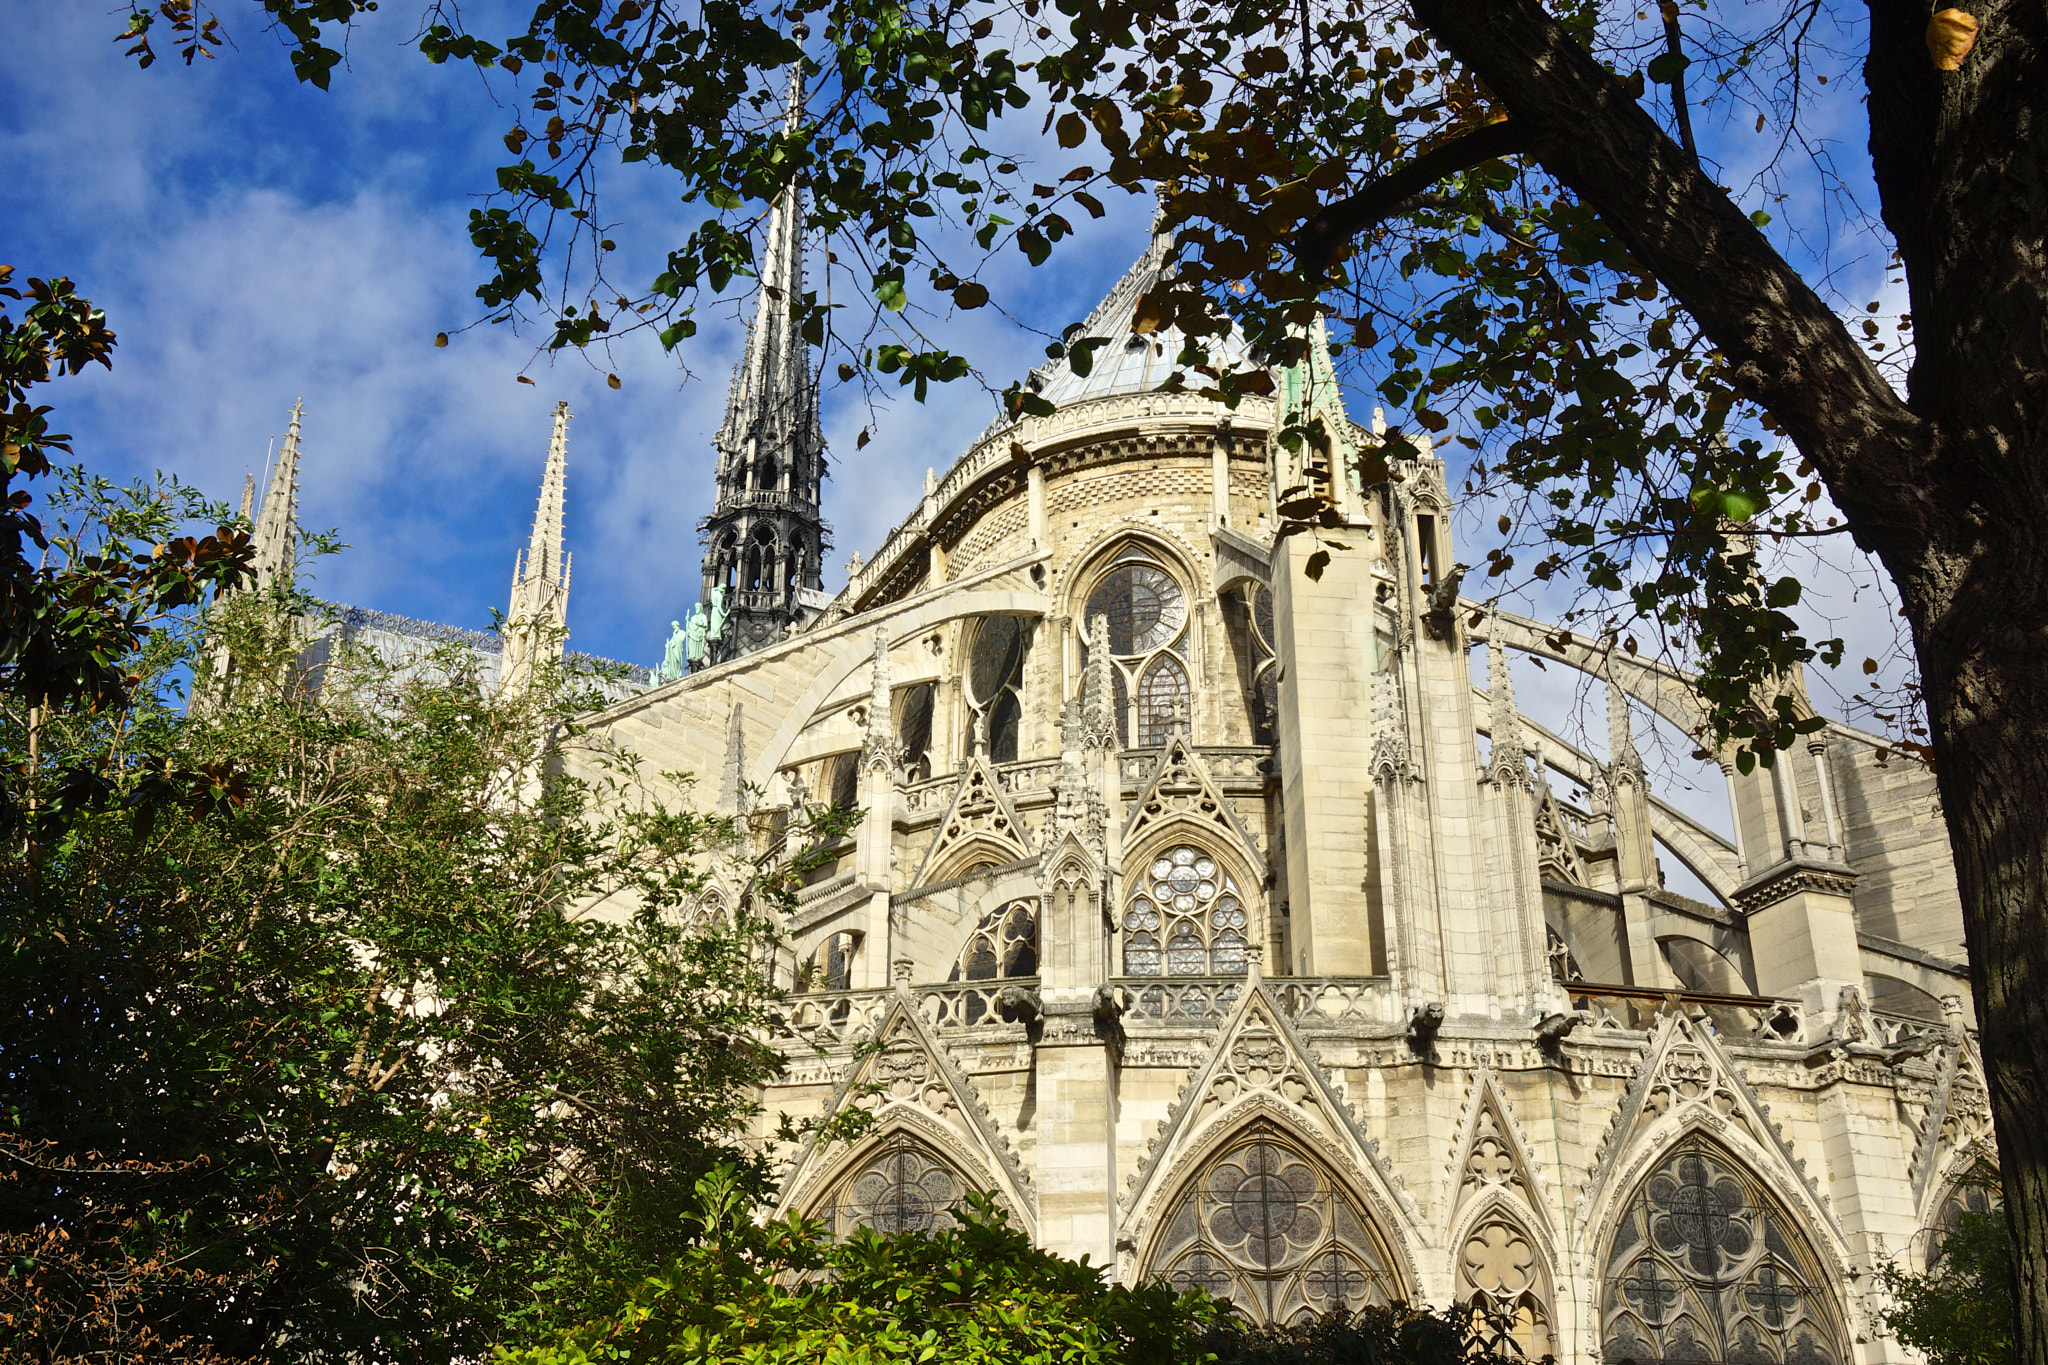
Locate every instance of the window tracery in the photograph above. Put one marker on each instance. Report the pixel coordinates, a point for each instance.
(1004, 944)
(1266, 1228)
(904, 1187)
(1705, 1266)
(1147, 612)
(1501, 1277)
(1251, 607)
(995, 686)
(914, 732)
(1190, 903)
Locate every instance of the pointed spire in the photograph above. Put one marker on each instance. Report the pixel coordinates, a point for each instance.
(1621, 740)
(880, 746)
(1098, 701)
(772, 384)
(277, 524)
(1389, 727)
(732, 781)
(249, 498)
(539, 611)
(1506, 763)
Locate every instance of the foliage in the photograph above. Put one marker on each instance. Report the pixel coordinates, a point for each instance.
(1960, 1311)
(331, 1050)
(968, 1295)
(68, 622)
(1399, 1334)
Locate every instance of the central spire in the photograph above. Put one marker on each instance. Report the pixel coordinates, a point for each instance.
(765, 540)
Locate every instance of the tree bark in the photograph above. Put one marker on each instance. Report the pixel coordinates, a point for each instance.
(1948, 486)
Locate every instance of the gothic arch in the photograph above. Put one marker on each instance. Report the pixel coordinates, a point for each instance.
(1702, 1259)
(1073, 579)
(1266, 1224)
(906, 1178)
(1188, 894)
(1503, 1266)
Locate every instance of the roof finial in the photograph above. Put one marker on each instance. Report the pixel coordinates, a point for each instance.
(278, 523)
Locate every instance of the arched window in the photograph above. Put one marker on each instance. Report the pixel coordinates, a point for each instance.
(904, 1187)
(995, 685)
(846, 781)
(1266, 1228)
(1147, 611)
(1187, 918)
(1705, 1265)
(1977, 1196)
(1250, 612)
(914, 731)
(1004, 944)
(1502, 1277)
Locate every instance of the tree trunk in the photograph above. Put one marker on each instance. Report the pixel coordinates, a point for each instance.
(1948, 487)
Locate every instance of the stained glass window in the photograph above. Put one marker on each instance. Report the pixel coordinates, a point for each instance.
(995, 683)
(1193, 903)
(1147, 614)
(1162, 701)
(1265, 1227)
(903, 1188)
(915, 732)
(1706, 1266)
(1977, 1199)
(1145, 606)
(1004, 944)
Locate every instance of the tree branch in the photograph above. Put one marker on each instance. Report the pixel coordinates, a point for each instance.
(1335, 224)
(1786, 348)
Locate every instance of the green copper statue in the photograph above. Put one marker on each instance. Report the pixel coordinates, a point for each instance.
(672, 660)
(698, 629)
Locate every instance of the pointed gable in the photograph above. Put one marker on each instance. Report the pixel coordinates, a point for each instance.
(1181, 790)
(1491, 1156)
(910, 1083)
(982, 818)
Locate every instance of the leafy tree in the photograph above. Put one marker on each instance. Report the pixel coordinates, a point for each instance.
(971, 1294)
(1960, 1311)
(338, 1019)
(1507, 206)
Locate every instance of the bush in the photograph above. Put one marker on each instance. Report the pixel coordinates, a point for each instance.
(1960, 1311)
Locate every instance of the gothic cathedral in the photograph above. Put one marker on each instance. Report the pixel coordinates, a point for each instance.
(1208, 913)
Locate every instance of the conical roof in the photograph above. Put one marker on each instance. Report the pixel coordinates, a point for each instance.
(1132, 363)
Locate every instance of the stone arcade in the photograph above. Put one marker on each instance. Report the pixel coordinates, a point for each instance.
(1209, 915)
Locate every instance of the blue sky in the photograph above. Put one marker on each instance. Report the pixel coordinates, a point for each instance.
(256, 241)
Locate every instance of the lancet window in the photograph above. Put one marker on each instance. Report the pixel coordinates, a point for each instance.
(1147, 611)
(1187, 918)
(1705, 1265)
(1251, 612)
(914, 732)
(904, 1187)
(1501, 1278)
(1004, 944)
(1267, 1228)
(995, 686)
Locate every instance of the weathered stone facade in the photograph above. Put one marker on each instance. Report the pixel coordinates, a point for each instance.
(1207, 913)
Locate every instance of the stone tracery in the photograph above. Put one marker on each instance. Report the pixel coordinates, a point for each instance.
(1704, 1265)
(1187, 918)
(1267, 1228)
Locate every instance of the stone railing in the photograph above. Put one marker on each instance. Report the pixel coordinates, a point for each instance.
(931, 797)
(827, 1017)
(1033, 775)
(1313, 1002)
(992, 451)
(1179, 999)
(766, 497)
(1890, 1030)
(354, 619)
(1753, 1018)
(970, 1005)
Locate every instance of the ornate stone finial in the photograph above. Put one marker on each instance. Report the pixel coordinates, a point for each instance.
(901, 968)
(853, 564)
(1507, 763)
(931, 481)
(1621, 741)
(249, 498)
(1389, 727)
(1098, 700)
(732, 783)
(880, 746)
(277, 524)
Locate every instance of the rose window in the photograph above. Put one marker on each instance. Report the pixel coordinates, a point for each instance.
(1706, 1265)
(1266, 1228)
(901, 1189)
(1147, 614)
(1190, 904)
